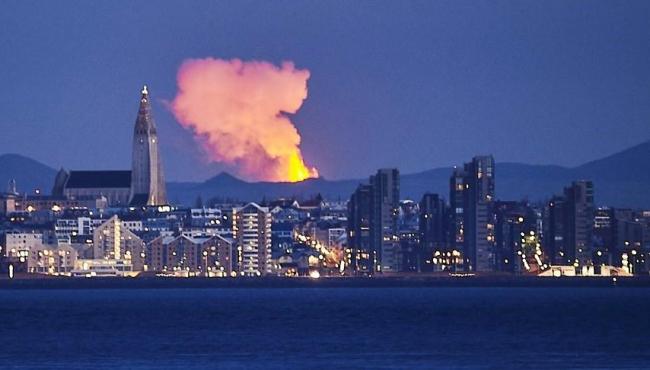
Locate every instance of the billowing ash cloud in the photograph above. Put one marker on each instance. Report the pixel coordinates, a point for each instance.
(238, 112)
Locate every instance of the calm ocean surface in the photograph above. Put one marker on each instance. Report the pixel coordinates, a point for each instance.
(326, 328)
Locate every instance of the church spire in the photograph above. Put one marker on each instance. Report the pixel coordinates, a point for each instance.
(147, 179)
(144, 123)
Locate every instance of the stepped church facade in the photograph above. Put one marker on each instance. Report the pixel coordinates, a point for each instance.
(143, 185)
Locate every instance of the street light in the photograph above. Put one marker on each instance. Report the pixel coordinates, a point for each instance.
(205, 257)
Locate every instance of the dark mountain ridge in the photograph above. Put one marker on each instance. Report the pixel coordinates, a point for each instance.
(621, 179)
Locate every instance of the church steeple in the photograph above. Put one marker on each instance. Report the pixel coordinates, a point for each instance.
(144, 123)
(147, 180)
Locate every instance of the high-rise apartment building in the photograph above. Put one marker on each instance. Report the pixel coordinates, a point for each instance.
(580, 220)
(435, 231)
(252, 235)
(383, 225)
(362, 258)
(472, 192)
(373, 235)
(569, 225)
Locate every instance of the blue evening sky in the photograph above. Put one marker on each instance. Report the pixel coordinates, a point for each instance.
(416, 85)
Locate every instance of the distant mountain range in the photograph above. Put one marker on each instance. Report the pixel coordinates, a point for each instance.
(28, 173)
(621, 180)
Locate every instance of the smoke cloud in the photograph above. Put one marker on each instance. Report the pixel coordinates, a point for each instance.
(238, 110)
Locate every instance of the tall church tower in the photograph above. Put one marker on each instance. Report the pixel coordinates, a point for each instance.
(147, 179)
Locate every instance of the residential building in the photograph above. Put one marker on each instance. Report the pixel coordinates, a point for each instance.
(113, 241)
(384, 239)
(361, 257)
(472, 195)
(252, 235)
(569, 225)
(434, 228)
(207, 256)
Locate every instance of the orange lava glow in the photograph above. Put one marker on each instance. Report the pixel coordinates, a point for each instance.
(239, 111)
(298, 171)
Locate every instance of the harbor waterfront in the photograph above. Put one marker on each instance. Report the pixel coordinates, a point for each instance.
(97, 223)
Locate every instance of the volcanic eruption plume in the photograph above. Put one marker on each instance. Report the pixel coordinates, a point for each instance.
(238, 110)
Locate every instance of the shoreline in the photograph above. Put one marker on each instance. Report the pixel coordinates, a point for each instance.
(22, 282)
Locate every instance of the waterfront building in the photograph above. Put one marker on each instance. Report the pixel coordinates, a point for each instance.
(252, 236)
(434, 230)
(412, 258)
(410, 248)
(104, 268)
(603, 236)
(361, 257)
(206, 256)
(372, 230)
(384, 239)
(554, 234)
(569, 224)
(472, 195)
(19, 244)
(113, 241)
(52, 259)
(580, 220)
(515, 221)
(628, 240)
(457, 189)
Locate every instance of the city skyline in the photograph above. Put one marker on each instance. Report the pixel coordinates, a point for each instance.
(273, 184)
(136, 231)
(449, 97)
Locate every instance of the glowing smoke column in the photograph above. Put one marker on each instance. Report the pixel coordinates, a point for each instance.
(238, 111)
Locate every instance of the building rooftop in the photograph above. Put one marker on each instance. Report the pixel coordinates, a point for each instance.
(99, 179)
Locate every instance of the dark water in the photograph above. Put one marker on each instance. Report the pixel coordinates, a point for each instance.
(405, 328)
